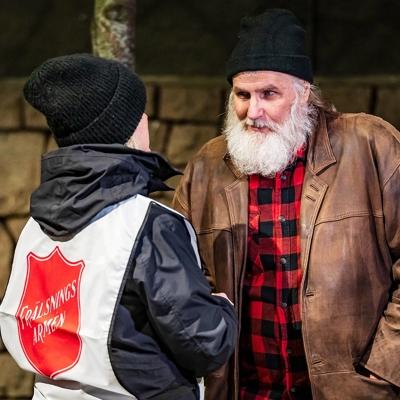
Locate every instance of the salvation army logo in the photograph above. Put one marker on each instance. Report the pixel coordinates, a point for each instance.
(48, 315)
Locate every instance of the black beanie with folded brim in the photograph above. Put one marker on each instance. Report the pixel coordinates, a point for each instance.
(87, 99)
(271, 41)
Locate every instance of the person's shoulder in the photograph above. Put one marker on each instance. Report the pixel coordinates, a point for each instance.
(366, 126)
(376, 140)
(209, 159)
(213, 149)
(164, 225)
(161, 214)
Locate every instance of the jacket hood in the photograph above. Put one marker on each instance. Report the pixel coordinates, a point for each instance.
(77, 182)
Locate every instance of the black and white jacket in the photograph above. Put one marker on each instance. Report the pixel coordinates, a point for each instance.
(106, 299)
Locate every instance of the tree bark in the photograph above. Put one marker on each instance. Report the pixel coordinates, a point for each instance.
(113, 30)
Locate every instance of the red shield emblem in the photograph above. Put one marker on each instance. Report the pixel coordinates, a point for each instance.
(48, 315)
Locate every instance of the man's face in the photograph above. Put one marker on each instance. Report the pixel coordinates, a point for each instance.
(268, 120)
(263, 96)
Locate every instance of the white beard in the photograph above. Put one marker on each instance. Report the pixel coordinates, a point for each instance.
(268, 153)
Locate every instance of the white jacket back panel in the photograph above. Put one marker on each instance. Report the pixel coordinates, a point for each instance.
(61, 297)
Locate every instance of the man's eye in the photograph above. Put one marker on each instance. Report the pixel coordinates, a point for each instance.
(243, 95)
(269, 93)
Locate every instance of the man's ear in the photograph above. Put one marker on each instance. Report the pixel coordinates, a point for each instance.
(306, 92)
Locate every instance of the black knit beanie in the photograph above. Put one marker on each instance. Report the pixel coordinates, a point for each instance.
(272, 41)
(87, 99)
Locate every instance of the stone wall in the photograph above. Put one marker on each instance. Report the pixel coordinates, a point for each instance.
(184, 114)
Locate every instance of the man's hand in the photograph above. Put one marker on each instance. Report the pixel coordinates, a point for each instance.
(363, 371)
(374, 377)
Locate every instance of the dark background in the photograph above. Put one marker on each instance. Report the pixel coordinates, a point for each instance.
(194, 37)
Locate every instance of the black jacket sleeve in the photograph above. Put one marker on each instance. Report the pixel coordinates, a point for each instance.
(198, 329)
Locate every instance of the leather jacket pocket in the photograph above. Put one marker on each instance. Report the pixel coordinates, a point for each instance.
(365, 375)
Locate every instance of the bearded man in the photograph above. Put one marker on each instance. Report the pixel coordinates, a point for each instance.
(296, 208)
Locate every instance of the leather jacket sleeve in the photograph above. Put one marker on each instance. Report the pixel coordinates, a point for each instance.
(182, 203)
(198, 329)
(383, 355)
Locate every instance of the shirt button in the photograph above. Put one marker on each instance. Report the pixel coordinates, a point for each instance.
(284, 305)
(289, 351)
(283, 177)
(282, 218)
(293, 389)
(283, 260)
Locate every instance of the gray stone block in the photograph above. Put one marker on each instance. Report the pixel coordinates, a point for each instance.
(348, 98)
(14, 382)
(190, 103)
(163, 197)
(20, 170)
(33, 118)
(158, 132)
(174, 181)
(150, 104)
(10, 103)
(388, 105)
(6, 252)
(15, 226)
(186, 140)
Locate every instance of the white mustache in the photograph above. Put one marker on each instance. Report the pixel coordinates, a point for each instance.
(261, 123)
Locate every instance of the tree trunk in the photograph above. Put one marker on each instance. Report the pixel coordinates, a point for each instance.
(113, 30)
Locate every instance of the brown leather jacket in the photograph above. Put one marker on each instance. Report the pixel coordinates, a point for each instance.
(350, 244)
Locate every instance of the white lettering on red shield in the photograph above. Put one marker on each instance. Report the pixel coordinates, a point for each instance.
(52, 303)
(44, 308)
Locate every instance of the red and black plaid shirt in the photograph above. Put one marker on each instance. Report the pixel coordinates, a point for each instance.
(272, 360)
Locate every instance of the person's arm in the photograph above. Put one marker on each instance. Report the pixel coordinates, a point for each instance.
(181, 200)
(182, 203)
(199, 329)
(383, 355)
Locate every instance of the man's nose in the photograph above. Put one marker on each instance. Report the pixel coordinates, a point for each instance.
(254, 111)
